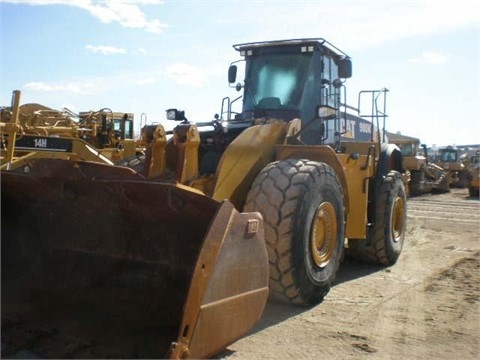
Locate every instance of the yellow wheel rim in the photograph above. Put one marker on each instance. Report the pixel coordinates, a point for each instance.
(397, 219)
(324, 234)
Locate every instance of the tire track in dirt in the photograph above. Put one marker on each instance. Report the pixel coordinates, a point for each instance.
(460, 289)
(404, 322)
(401, 321)
(438, 209)
(407, 311)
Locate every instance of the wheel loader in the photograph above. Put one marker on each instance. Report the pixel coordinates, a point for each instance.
(425, 176)
(178, 260)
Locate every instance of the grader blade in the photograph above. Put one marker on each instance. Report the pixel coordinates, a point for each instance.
(98, 262)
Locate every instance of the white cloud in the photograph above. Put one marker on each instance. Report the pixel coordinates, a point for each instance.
(145, 81)
(105, 49)
(142, 50)
(81, 88)
(126, 12)
(356, 25)
(430, 57)
(186, 74)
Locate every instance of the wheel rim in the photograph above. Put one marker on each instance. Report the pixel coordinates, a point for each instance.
(397, 219)
(324, 234)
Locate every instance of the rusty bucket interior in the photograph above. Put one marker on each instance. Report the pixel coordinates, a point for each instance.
(97, 262)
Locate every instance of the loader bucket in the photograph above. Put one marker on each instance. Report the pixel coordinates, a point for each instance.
(98, 262)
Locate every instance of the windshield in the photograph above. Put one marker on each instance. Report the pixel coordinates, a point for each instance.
(407, 149)
(449, 156)
(276, 81)
(117, 123)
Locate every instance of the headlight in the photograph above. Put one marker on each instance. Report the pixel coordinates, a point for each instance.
(171, 114)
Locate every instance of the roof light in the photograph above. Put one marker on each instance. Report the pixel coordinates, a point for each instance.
(306, 48)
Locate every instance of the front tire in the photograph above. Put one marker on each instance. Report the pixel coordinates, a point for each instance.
(302, 206)
(385, 240)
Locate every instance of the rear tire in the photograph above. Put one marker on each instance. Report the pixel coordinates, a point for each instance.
(302, 206)
(385, 241)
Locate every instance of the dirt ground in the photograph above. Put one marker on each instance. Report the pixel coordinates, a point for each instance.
(424, 307)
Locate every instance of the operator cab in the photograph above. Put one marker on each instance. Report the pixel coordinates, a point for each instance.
(448, 155)
(291, 79)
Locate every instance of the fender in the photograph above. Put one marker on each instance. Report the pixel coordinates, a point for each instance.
(390, 159)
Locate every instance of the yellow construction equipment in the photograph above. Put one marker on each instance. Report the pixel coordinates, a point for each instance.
(87, 134)
(472, 164)
(98, 262)
(114, 258)
(24, 145)
(450, 160)
(425, 176)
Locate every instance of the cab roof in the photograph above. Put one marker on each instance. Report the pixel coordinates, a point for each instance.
(317, 42)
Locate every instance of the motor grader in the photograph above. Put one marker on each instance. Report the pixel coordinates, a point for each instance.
(425, 176)
(179, 261)
(102, 136)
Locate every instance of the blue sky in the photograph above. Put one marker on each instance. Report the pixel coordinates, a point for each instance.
(147, 56)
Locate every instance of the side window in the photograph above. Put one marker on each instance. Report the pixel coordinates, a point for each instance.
(311, 91)
(326, 68)
(333, 70)
(329, 74)
(129, 129)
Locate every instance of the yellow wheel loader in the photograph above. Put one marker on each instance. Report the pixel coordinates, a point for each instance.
(177, 261)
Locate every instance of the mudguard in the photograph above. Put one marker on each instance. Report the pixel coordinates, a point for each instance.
(390, 159)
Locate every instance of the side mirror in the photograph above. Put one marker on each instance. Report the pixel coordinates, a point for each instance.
(345, 68)
(232, 73)
(326, 112)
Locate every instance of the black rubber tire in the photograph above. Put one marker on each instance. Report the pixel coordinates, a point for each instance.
(385, 240)
(287, 194)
